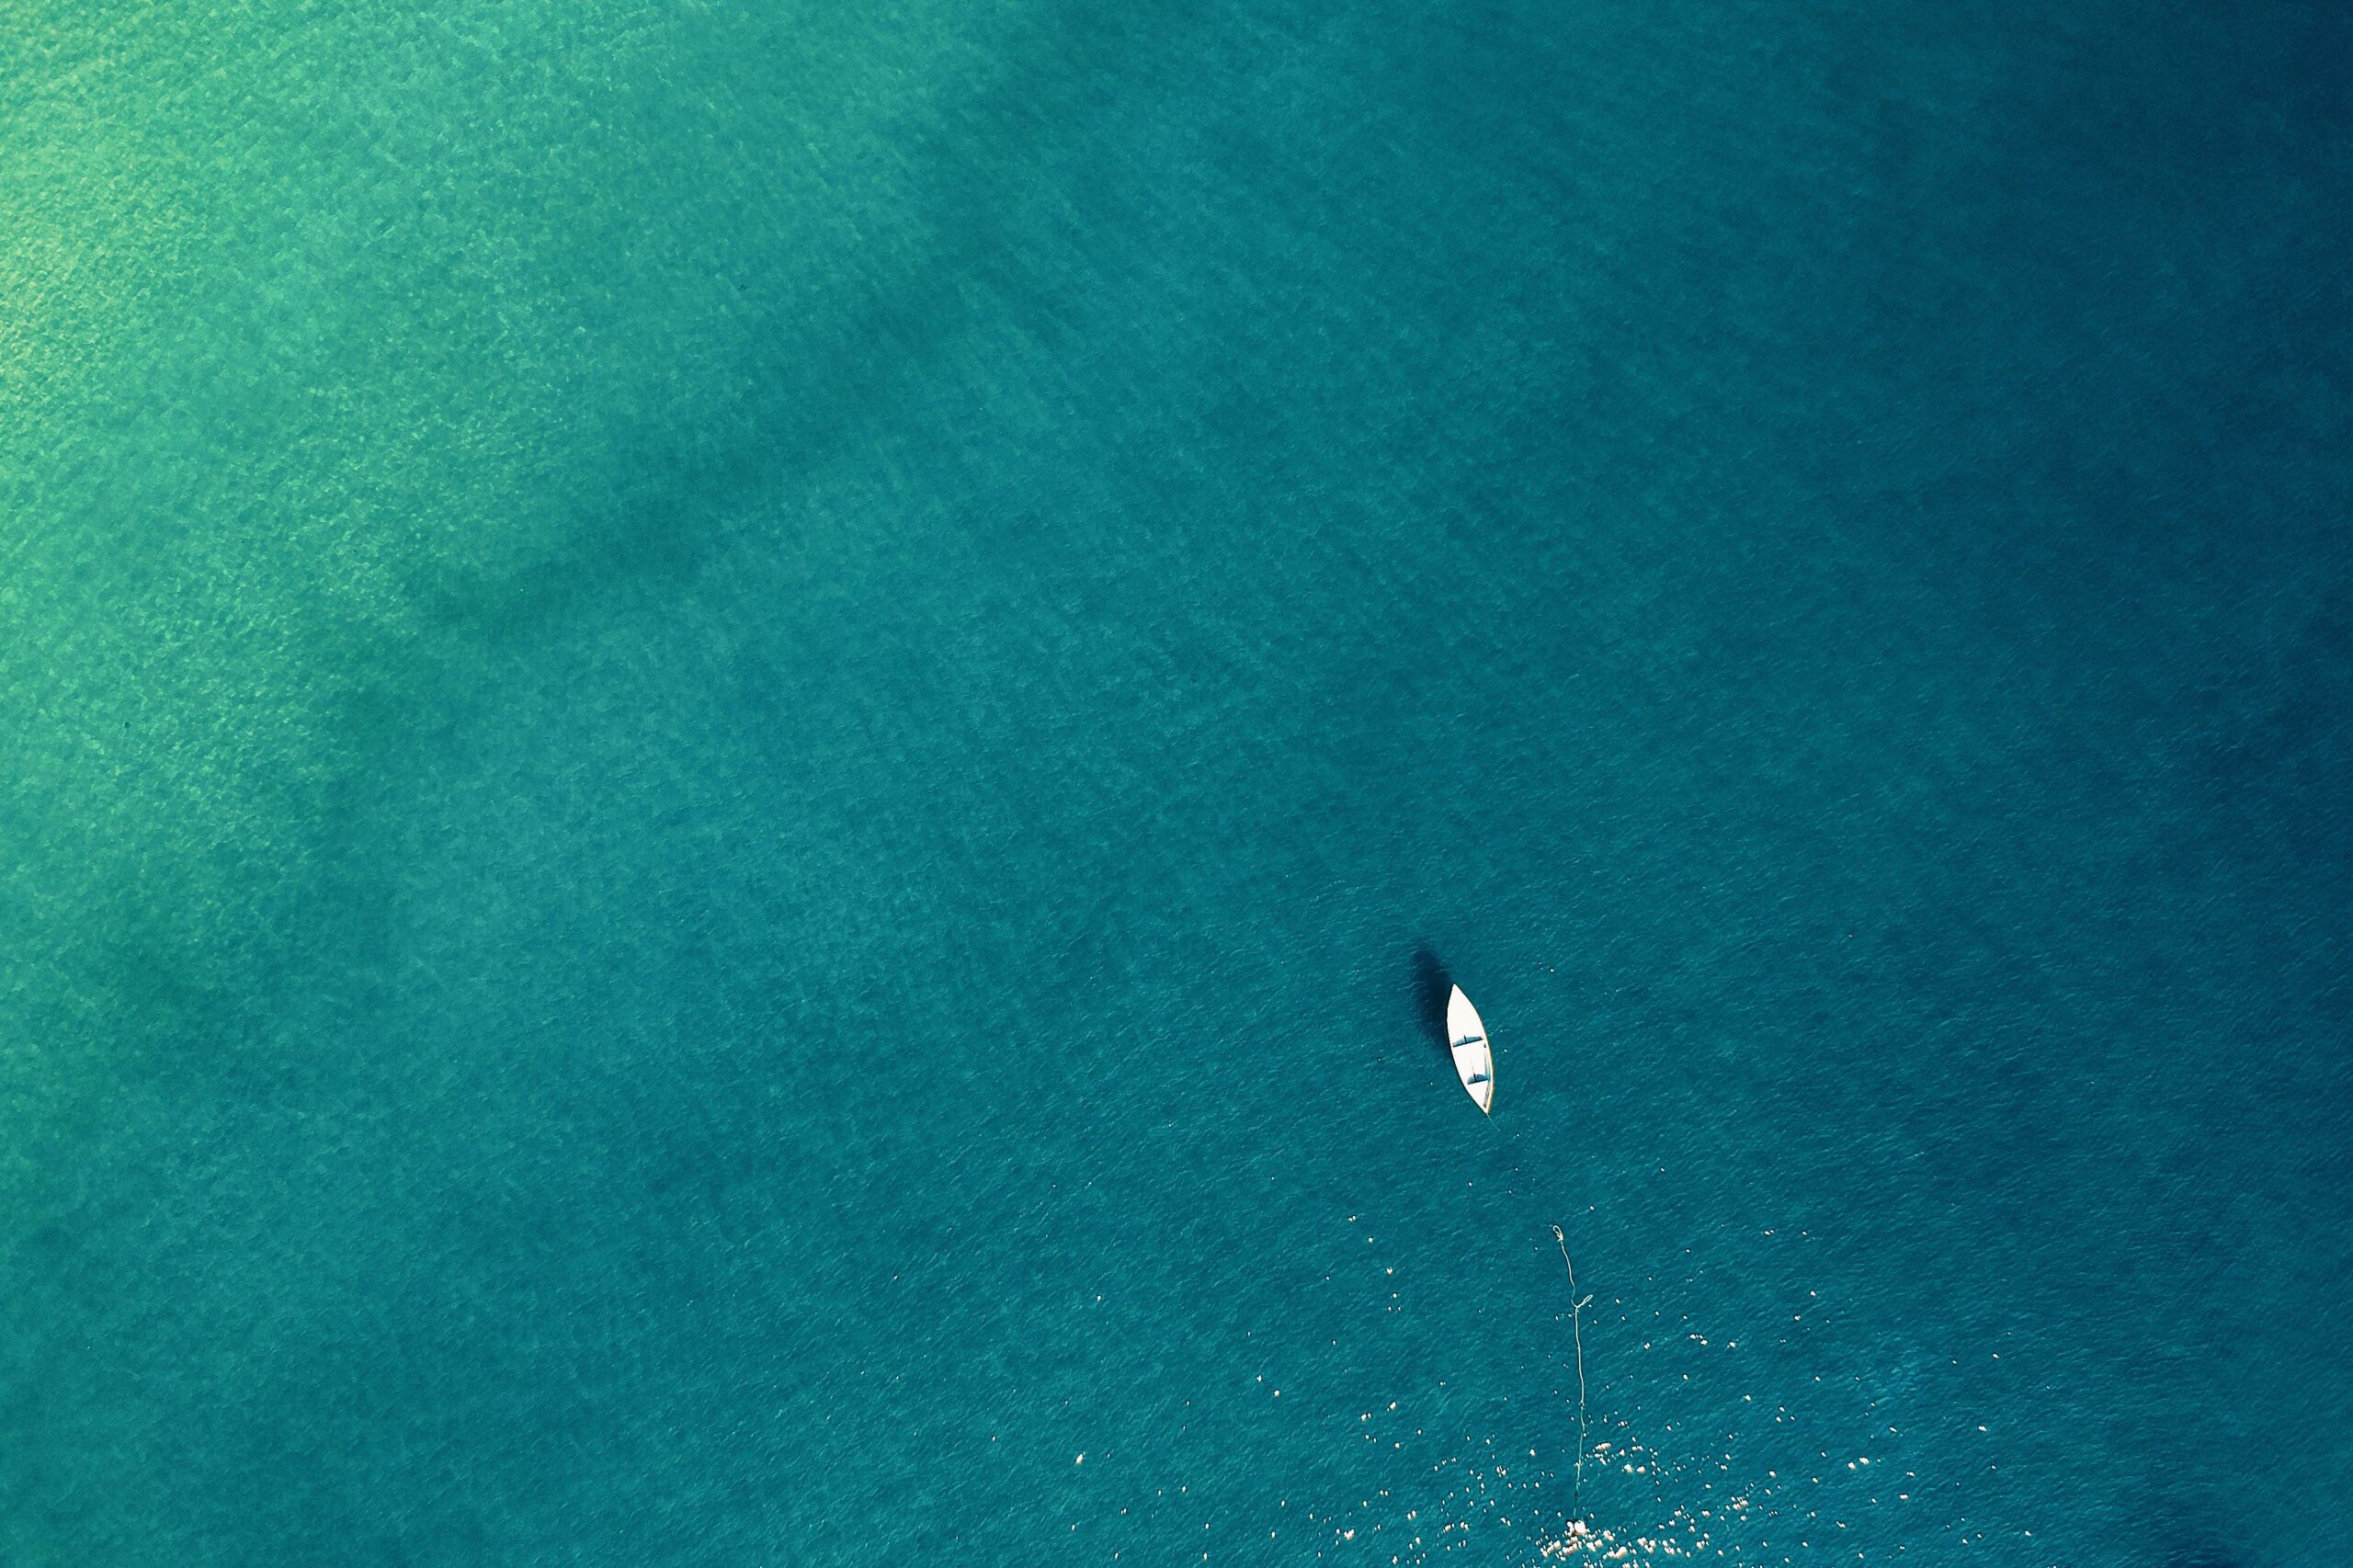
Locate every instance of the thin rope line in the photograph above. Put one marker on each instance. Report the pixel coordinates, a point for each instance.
(1576, 1326)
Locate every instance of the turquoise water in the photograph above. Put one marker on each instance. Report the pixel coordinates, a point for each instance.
(740, 741)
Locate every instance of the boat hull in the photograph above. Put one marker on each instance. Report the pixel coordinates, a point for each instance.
(1474, 1057)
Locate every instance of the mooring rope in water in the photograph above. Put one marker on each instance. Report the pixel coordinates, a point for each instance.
(1577, 1327)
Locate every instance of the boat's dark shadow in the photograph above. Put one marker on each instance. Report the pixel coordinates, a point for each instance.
(1432, 985)
(2192, 1548)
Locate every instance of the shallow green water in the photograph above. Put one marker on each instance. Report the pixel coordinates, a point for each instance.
(737, 743)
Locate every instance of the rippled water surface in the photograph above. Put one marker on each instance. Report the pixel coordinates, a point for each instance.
(741, 742)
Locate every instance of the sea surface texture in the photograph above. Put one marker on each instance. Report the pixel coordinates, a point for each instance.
(743, 743)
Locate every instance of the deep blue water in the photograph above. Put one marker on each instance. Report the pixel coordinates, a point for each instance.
(805, 699)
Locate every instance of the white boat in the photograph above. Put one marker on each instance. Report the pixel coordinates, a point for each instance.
(1474, 1063)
